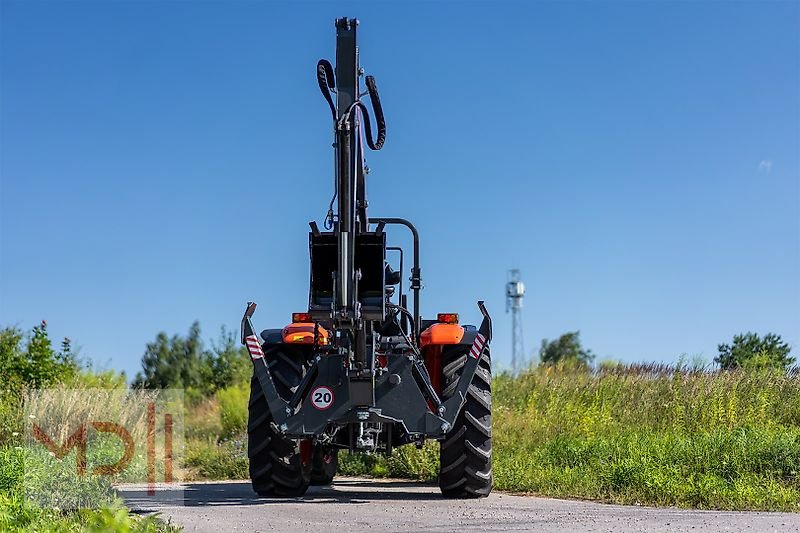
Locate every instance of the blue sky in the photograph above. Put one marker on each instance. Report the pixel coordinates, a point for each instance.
(638, 161)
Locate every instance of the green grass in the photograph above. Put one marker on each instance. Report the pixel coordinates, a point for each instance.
(637, 434)
(651, 435)
(38, 492)
(405, 462)
(742, 469)
(210, 458)
(626, 434)
(644, 434)
(19, 513)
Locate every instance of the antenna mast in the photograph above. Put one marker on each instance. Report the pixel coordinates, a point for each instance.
(515, 291)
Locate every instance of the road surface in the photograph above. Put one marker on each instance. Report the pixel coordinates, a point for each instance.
(352, 505)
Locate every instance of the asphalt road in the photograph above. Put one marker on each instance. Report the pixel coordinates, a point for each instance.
(352, 505)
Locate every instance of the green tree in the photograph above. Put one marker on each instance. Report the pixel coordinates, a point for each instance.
(176, 362)
(228, 361)
(183, 362)
(751, 351)
(566, 348)
(30, 360)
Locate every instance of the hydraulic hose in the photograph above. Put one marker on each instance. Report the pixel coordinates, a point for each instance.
(404, 311)
(372, 88)
(326, 82)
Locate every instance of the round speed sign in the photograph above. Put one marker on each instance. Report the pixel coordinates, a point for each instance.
(322, 398)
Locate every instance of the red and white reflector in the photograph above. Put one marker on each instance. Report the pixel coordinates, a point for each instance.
(477, 346)
(254, 346)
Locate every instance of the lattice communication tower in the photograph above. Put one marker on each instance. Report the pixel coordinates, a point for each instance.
(515, 292)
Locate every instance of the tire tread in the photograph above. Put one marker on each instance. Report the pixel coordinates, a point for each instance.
(466, 452)
(276, 469)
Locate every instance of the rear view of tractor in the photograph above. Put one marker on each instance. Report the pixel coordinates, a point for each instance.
(359, 370)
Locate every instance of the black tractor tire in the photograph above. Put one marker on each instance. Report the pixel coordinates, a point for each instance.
(276, 465)
(465, 454)
(324, 463)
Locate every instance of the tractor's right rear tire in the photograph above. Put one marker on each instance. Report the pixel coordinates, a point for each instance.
(466, 453)
(277, 468)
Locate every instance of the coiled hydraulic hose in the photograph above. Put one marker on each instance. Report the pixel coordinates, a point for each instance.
(375, 99)
(326, 82)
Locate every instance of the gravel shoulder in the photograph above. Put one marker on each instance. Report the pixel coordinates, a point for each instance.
(356, 504)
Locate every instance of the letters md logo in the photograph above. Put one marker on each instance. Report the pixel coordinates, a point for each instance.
(82, 443)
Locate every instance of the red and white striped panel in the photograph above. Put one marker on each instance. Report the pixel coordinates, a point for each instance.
(254, 346)
(477, 346)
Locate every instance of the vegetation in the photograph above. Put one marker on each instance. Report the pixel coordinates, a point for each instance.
(726, 438)
(28, 360)
(652, 434)
(638, 434)
(173, 363)
(184, 363)
(751, 351)
(18, 513)
(687, 436)
(216, 383)
(214, 458)
(567, 348)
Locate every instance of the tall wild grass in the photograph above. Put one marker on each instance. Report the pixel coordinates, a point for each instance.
(649, 434)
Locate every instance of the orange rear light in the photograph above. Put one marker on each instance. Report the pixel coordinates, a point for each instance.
(447, 318)
(303, 333)
(301, 317)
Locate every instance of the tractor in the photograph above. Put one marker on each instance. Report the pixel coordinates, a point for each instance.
(358, 370)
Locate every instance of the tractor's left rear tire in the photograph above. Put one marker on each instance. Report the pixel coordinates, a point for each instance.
(277, 467)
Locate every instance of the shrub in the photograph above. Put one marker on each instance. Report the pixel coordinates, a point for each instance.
(226, 459)
(233, 402)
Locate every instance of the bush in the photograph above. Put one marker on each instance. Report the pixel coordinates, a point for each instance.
(10, 415)
(98, 379)
(203, 419)
(19, 513)
(210, 459)
(233, 403)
